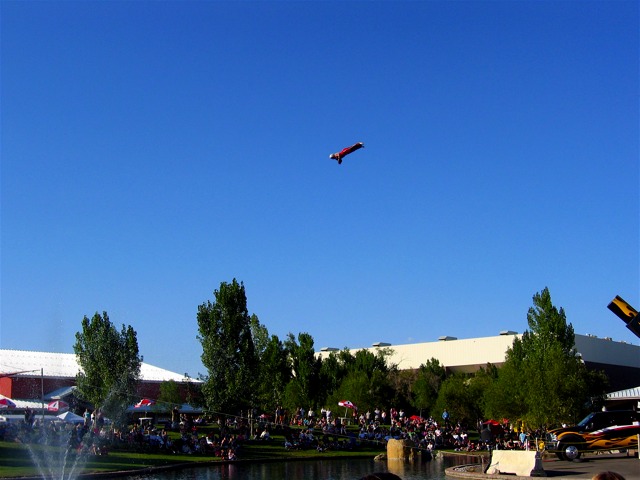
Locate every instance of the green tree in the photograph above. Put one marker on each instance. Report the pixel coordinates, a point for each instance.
(275, 374)
(169, 396)
(356, 387)
(303, 386)
(506, 396)
(333, 370)
(379, 373)
(367, 382)
(455, 396)
(332, 373)
(477, 386)
(543, 381)
(193, 392)
(424, 390)
(259, 334)
(402, 382)
(228, 351)
(110, 365)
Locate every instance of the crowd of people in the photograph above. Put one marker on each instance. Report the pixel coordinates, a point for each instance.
(379, 426)
(302, 430)
(225, 436)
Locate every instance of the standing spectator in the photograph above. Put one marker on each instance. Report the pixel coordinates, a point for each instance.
(175, 418)
(523, 439)
(445, 417)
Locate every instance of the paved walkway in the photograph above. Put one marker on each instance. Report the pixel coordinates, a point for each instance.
(584, 469)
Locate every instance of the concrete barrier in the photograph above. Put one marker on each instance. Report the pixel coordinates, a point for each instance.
(516, 462)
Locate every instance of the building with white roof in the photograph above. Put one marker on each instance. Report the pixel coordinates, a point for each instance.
(619, 360)
(32, 375)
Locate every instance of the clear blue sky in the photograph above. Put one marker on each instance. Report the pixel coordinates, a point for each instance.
(151, 150)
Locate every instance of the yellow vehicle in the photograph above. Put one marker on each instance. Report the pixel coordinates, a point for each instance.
(612, 430)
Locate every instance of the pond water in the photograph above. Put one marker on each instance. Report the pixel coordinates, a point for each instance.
(345, 469)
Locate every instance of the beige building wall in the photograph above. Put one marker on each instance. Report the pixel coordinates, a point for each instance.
(468, 355)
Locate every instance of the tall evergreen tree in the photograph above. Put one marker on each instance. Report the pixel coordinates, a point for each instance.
(228, 351)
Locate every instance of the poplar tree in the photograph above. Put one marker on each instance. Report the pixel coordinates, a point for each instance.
(228, 351)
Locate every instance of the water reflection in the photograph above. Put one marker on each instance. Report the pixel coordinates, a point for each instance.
(346, 469)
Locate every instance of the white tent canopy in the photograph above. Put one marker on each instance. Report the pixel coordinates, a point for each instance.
(70, 417)
(628, 394)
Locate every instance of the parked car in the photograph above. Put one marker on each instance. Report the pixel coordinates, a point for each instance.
(608, 430)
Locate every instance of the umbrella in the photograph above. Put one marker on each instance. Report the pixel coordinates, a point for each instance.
(57, 406)
(494, 426)
(145, 402)
(348, 404)
(416, 418)
(6, 403)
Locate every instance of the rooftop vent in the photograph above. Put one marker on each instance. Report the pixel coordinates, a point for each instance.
(381, 344)
(446, 338)
(329, 349)
(508, 332)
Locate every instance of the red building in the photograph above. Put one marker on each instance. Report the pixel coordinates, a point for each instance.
(29, 375)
